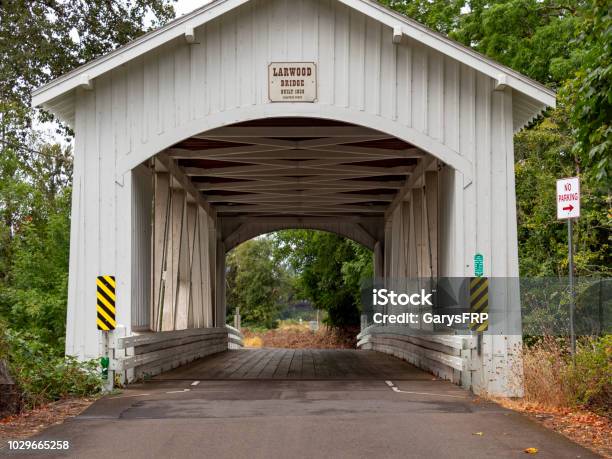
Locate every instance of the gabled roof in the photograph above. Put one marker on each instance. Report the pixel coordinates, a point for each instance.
(536, 96)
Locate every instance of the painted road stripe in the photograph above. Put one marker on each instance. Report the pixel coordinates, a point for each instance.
(195, 383)
(178, 391)
(128, 396)
(399, 391)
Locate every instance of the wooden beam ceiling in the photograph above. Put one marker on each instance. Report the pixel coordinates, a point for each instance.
(298, 167)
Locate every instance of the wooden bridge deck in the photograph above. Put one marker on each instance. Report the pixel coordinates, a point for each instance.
(297, 364)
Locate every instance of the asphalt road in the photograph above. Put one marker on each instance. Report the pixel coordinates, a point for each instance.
(302, 419)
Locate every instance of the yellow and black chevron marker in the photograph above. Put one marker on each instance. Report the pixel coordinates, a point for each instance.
(479, 301)
(105, 305)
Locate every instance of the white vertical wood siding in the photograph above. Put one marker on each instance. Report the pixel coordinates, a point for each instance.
(178, 90)
(181, 89)
(142, 199)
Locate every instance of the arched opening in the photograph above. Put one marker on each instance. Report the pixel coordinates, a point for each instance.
(225, 186)
(297, 288)
(216, 191)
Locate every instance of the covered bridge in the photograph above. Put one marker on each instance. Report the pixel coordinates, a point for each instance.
(248, 116)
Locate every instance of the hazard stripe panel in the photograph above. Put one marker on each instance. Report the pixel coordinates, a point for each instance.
(105, 304)
(479, 301)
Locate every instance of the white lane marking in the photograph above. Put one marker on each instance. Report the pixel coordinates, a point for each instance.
(195, 383)
(395, 389)
(178, 391)
(127, 396)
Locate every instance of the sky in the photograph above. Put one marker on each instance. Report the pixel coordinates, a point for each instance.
(48, 130)
(187, 6)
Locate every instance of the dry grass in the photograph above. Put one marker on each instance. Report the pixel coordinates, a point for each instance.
(573, 400)
(299, 336)
(31, 422)
(545, 370)
(553, 380)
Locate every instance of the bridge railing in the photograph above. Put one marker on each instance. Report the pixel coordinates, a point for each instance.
(234, 338)
(148, 354)
(446, 356)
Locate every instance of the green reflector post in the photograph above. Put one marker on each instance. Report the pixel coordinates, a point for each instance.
(478, 265)
(104, 363)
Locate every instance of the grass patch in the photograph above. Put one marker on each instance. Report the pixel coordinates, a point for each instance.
(293, 335)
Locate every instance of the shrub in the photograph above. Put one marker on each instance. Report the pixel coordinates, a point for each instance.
(552, 378)
(590, 380)
(41, 374)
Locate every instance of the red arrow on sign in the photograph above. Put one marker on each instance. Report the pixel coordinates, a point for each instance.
(569, 208)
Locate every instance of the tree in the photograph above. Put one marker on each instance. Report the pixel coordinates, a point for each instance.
(565, 45)
(590, 93)
(330, 271)
(41, 40)
(533, 37)
(256, 282)
(544, 153)
(34, 231)
(440, 15)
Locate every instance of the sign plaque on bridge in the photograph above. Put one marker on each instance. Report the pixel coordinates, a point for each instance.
(292, 81)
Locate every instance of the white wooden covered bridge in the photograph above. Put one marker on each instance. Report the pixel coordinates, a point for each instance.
(245, 117)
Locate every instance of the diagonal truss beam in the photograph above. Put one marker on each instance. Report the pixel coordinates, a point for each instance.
(274, 185)
(299, 196)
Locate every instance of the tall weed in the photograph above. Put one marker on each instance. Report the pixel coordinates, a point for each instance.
(553, 379)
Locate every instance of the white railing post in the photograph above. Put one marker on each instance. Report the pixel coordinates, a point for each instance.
(364, 322)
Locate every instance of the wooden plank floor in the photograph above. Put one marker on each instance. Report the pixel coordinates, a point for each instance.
(297, 364)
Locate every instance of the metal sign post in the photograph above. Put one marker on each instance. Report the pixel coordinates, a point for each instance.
(570, 248)
(568, 208)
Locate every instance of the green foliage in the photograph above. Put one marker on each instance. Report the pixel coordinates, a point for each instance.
(330, 270)
(554, 378)
(543, 154)
(38, 42)
(533, 37)
(439, 15)
(256, 282)
(590, 93)
(41, 373)
(41, 40)
(34, 231)
(565, 45)
(590, 379)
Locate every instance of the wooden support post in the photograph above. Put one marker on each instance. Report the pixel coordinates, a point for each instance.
(172, 267)
(379, 260)
(412, 270)
(160, 239)
(417, 220)
(212, 272)
(387, 249)
(431, 198)
(220, 288)
(196, 307)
